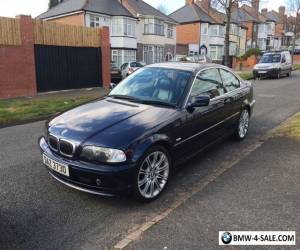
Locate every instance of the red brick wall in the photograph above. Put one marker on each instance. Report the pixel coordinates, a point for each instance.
(296, 58)
(17, 63)
(106, 57)
(17, 67)
(244, 65)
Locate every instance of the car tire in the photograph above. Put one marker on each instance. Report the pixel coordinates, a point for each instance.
(152, 174)
(289, 74)
(242, 125)
(278, 76)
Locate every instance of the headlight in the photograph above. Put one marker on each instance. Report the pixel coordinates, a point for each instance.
(100, 154)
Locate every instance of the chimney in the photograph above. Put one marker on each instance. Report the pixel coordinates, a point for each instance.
(189, 2)
(281, 10)
(255, 5)
(264, 11)
(205, 4)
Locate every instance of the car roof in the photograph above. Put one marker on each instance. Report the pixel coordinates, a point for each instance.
(186, 66)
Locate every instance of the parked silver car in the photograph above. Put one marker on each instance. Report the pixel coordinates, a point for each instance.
(129, 67)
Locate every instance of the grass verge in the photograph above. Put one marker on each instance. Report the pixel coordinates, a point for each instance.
(291, 128)
(22, 110)
(246, 75)
(296, 66)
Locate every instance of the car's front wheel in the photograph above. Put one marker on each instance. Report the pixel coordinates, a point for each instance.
(243, 125)
(152, 174)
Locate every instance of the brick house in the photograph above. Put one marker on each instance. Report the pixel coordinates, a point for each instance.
(122, 24)
(202, 30)
(156, 33)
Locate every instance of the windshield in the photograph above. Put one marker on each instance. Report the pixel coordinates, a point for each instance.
(270, 58)
(154, 85)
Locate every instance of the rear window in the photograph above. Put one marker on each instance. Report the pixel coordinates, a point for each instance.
(136, 65)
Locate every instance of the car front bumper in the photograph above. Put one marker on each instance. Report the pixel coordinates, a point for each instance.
(265, 72)
(114, 180)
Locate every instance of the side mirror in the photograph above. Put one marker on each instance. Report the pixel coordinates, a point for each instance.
(199, 101)
(112, 86)
(283, 60)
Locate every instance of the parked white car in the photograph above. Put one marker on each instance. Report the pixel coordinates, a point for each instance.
(129, 67)
(274, 64)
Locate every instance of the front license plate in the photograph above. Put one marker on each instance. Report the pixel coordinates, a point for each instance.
(56, 166)
(262, 72)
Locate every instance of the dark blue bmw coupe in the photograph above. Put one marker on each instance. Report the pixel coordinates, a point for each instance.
(155, 119)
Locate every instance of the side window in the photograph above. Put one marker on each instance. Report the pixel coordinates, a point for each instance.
(208, 82)
(230, 81)
(283, 60)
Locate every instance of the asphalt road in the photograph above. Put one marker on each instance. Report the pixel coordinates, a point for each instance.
(36, 212)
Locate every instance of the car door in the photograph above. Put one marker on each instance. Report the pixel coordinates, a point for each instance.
(233, 98)
(201, 126)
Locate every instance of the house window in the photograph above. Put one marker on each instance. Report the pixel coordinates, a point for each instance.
(154, 26)
(116, 26)
(234, 29)
(117, 57)
(129, 27)
(94, 21)
(170, 31)
(216, 30)
(204, 29)
(233, 49)
(153, 54)
(129, 56)
(216, 52)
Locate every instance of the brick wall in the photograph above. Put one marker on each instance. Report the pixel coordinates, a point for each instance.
(17, 67)
(244, 65)
(296, 58)
(106, 57)
(188, 33)
(17, 63)
(76, 19)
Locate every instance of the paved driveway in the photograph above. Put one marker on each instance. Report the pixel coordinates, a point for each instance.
(36, 212)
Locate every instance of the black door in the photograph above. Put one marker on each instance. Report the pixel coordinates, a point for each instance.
(202, 125)
(60, 68)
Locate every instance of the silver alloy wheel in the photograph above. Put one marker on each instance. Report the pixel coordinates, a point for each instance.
(153, 174)
(243, 123)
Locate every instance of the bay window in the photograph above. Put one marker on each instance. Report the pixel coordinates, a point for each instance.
(216, 52)
(153, 54)
(216, 30)
(121, 56)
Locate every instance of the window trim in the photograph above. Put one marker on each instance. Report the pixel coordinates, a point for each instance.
(217, 97)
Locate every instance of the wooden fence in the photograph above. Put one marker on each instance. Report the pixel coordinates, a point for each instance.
(10, 31)
(50, 33)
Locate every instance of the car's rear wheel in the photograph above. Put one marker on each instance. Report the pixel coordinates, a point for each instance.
(243, 125)
(152, 174)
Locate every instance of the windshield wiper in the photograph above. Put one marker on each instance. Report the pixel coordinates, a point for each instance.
(155, 102)
(125, 97)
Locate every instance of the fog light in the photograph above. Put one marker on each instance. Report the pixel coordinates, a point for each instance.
(98, 182)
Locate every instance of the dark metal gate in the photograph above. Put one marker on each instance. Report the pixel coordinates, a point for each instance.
(60, 68)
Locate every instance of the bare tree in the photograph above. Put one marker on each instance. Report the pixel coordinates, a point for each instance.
(294, 8)
(228, 6)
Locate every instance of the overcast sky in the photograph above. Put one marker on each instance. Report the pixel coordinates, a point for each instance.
(11, 8)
